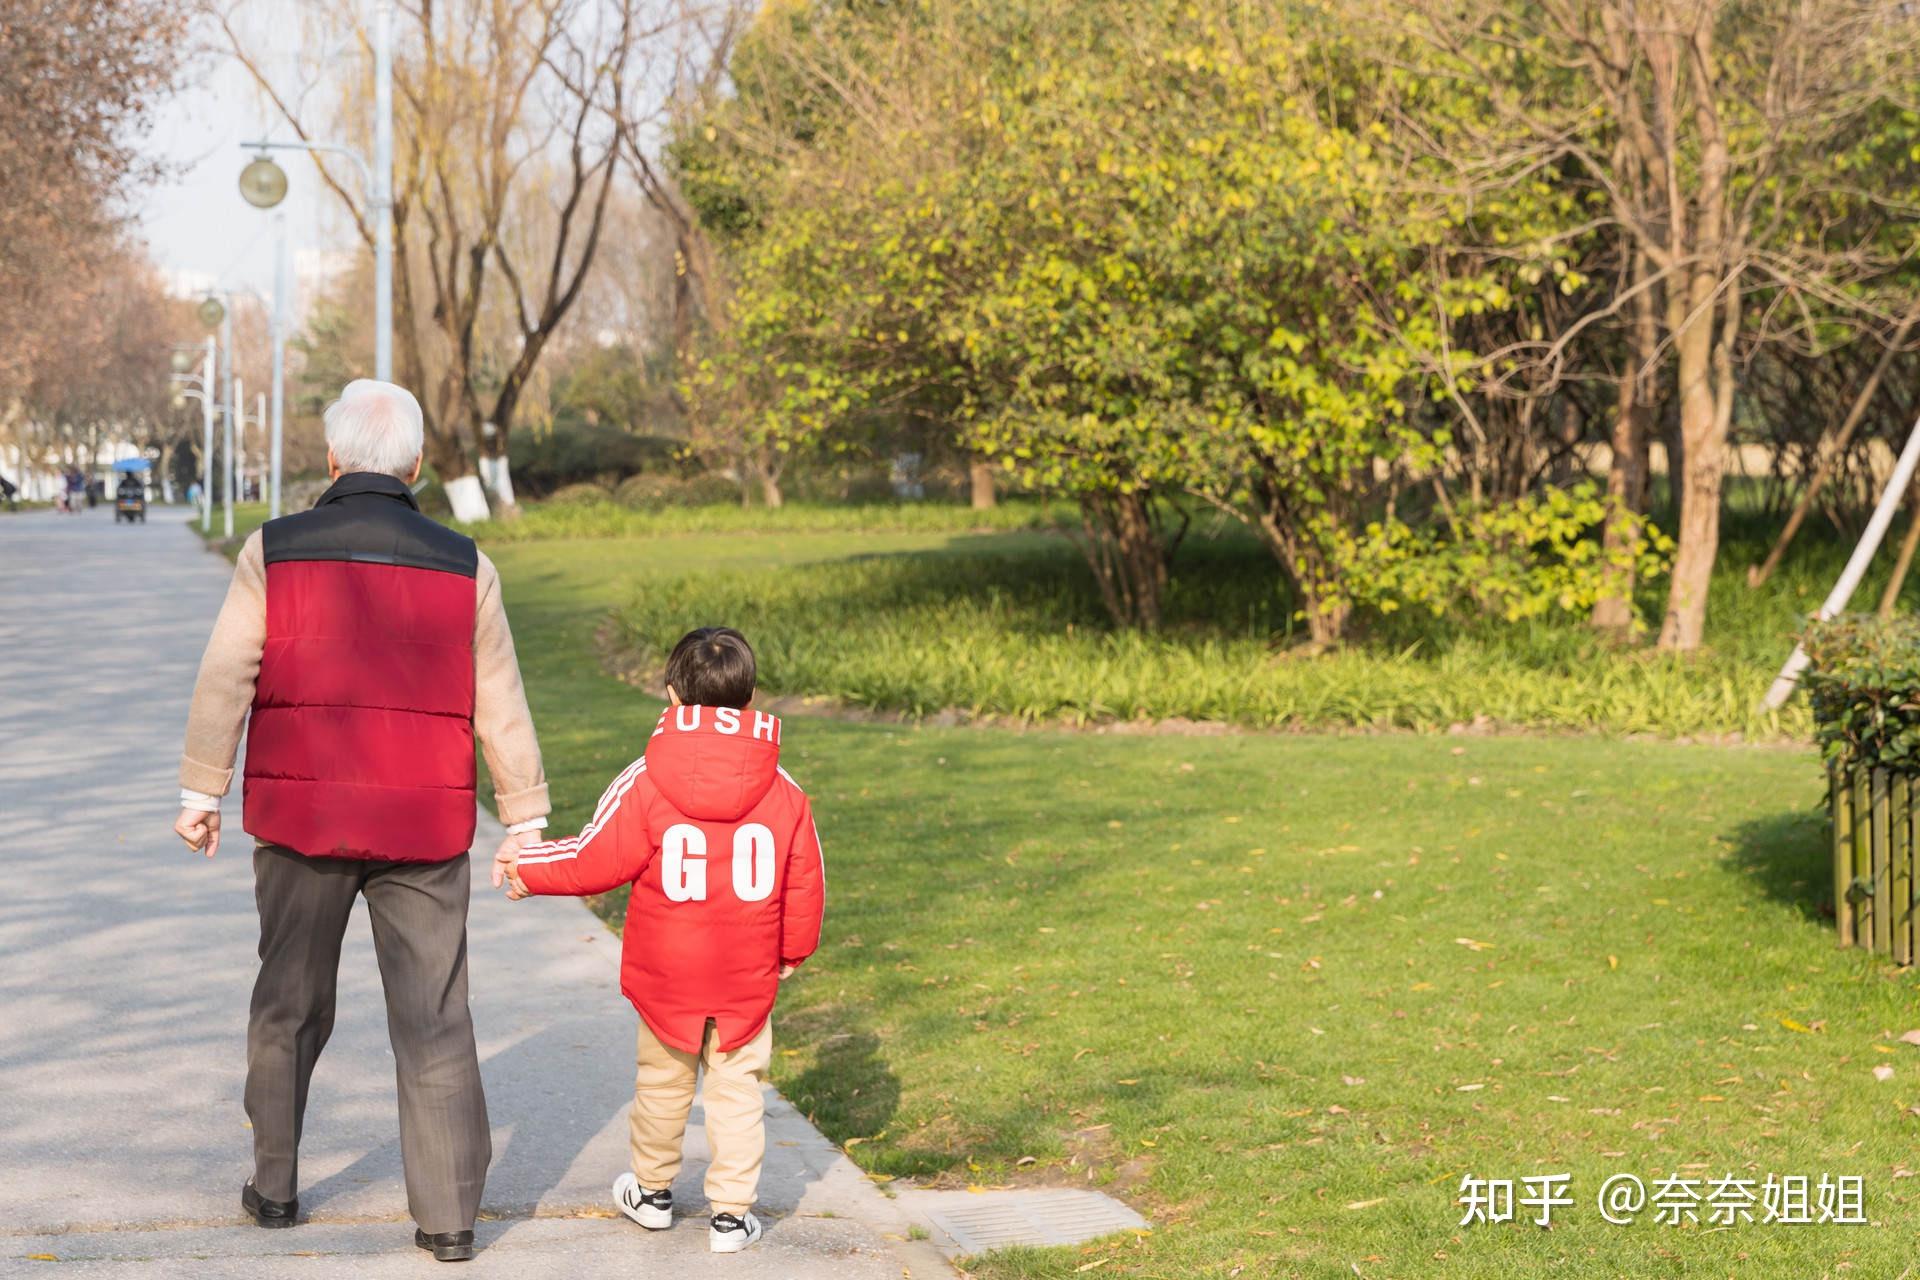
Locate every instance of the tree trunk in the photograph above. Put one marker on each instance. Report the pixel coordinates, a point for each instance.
(770, 495)
(1626, 472)
(1705, 413)
(450, 463)
(980, 484)
(1124, 549)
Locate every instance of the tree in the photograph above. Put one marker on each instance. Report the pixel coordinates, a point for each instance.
(79, 80)
(1741, 151)
(504, 170)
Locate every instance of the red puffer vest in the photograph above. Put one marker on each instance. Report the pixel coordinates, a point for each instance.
(361, 741)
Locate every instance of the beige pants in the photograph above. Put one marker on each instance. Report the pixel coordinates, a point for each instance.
(663, 1095)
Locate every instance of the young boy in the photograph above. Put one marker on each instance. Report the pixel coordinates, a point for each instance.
(728, 886)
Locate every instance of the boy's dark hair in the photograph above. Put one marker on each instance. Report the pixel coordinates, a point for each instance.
(712, 667)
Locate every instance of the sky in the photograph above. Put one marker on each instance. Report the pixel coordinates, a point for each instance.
(197, 228)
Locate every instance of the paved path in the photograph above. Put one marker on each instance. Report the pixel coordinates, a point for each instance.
(125, 965)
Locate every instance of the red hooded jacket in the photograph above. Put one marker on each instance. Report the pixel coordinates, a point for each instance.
(728, 884)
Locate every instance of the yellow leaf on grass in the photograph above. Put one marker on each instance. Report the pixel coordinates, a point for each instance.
(1088, 1266)
(1613, 962)
(1367, 1204)
(1474, 944)
(1794, 1025)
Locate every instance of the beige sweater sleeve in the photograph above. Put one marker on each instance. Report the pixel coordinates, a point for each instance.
(223, 692)
(501, 719)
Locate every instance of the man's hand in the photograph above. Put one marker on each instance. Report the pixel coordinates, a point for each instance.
(506, 864)
(200, 829)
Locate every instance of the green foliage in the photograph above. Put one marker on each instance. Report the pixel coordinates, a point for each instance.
(1864, 686)
(1517, 560)
(1155, 247)
(1021, 633)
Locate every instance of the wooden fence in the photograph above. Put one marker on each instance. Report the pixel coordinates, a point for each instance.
(1873, 813)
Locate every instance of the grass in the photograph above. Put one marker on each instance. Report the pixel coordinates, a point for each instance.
(540, 522)
(1157, 963)
(1013, 628)
(1283, 991)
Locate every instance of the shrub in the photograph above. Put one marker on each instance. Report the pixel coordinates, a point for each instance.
(1864, 686)
(657, 489)
(1534, 556)
(575, 495)
(569, 453)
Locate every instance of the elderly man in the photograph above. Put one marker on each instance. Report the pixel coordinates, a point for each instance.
(369, 646)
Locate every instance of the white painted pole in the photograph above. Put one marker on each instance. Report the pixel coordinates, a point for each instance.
(1789, 677)
(260, 459)
(237, 452)
(226, 342)
(383, 190)
(279, 358)
(206, 428)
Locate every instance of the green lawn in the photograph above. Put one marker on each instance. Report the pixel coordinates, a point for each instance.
(1283, 991)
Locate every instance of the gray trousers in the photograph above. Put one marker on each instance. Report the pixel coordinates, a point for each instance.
(419, 913)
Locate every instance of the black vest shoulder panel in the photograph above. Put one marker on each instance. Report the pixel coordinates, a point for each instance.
(371, 520)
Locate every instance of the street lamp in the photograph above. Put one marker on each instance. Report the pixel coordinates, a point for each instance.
(189, 386)
(263, 183)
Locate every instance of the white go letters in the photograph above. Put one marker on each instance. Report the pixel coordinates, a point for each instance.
(683, 869)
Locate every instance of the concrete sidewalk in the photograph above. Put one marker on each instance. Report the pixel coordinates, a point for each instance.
(125, 966)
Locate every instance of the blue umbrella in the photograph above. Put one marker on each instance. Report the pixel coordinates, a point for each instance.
(132, 464)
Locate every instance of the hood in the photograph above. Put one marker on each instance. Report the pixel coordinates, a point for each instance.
(714, 763)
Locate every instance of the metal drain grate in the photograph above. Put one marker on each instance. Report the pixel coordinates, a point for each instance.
(966, 1222)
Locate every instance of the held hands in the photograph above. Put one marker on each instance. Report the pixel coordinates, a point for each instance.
(506, 861)
(200, 829)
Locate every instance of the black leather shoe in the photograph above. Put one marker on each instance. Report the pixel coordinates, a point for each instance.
(447, 1246)
(265, 1212)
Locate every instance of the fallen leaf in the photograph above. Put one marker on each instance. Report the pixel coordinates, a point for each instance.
(1088, 1266)
(1473, 944)
(1367, 1204)
(1613, 962)
(1912, 1037)
(1792, 1025)
(1469, 1088)
(1883, 1072)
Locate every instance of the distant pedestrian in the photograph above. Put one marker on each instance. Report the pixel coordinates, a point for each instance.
(76, 489)
(7, 491)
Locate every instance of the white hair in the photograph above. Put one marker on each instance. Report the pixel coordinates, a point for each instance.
(375, 426)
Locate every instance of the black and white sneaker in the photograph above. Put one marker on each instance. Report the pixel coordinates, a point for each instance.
(730, 1234)
(651, 1209)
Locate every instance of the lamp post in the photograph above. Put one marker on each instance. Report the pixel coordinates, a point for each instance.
(200, 387)
(263, 184)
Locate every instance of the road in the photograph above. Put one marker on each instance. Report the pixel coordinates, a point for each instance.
(126, 962)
